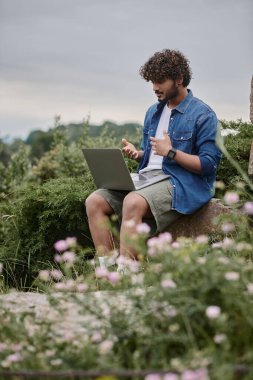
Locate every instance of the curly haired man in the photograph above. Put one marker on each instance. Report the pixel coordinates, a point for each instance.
(178, 139)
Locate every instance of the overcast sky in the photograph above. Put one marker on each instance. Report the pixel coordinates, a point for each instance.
(80, 57)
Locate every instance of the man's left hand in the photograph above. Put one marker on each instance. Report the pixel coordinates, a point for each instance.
(161, 147)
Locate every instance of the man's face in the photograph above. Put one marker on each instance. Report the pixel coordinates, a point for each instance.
(165, 90)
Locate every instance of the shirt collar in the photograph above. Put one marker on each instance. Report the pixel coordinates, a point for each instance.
(182, 106)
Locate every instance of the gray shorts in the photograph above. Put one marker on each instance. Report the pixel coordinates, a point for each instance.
(159, 198)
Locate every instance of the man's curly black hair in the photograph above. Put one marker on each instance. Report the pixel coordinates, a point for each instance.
(167, 64)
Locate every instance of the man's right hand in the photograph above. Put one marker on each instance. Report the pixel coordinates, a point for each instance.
(130, 150)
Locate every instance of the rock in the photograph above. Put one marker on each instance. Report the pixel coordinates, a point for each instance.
(250, 169)
(201, 222)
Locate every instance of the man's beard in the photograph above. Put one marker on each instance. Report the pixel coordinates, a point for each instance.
(171, 94)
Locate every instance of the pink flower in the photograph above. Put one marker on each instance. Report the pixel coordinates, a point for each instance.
(81, 287)
(250, 287)
(227, 227)
(96, 337)
(58, 258)
(175, 245)
(69, 257)
(14, 357)
(44, 275)
(101, 272)
(56, 274)
(143, 228)
(153, 376)
(227, 243)
(61, 245)
(232, 276)
(219, 338)
(165, 237)
(105, 347)
(248, 208)
(201, 239)
(168, 284)
(231, 197)
(60, 286)
(199, 374)
(170, 376)
(113, 277)
(71, 241)
(213, 312)
(223, 260)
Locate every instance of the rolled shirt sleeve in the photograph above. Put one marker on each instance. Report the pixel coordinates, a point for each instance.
(207, 150)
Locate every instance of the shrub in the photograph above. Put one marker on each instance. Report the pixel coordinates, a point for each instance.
(35, 216)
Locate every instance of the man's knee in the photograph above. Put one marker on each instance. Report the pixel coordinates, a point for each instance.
(134, 205)
(96, 204)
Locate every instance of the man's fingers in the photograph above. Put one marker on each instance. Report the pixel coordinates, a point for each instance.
(124, 142)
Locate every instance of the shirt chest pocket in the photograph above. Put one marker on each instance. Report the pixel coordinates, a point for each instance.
(182, 140)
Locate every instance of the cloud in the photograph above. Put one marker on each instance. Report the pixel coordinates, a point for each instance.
(72, 57)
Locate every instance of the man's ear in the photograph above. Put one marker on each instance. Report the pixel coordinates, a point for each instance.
(179, 81)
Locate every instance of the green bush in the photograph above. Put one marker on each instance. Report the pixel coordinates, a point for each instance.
(238, 147)
(34, 217)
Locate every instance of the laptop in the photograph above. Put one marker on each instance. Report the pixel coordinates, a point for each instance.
(109, 170)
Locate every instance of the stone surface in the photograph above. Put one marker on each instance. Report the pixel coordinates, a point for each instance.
(250, 169)
(201, 222)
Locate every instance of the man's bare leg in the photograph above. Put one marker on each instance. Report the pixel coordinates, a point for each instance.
(135, 208)
(98, 211)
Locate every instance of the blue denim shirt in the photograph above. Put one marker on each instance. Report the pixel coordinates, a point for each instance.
(192, 129)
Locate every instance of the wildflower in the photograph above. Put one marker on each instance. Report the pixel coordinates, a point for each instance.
(13, 358)
(3, 346)
(227, 243)
(218, 244)
(243, 246)
(81, 287)
(175, 245)
(201, 239)
(198, 374)
(227, 227)
(71, 241)
(213, 312)
(231, 197)
(70, 285)
(44, 275)
(61, 245)
(59, 286)
(232, 276)
(105, 347)
(223, 260)
(69, 257)
(133, 265)
(165, 237)
(56, 274)
(250, 287)
(58, 258)
(168, 284)
(201, 260)
(101, 272)
(219, 338)
(143, 228)
(170, 376)
(56, 362)
(153, 376)
(129, 223)
(248, 208)
(96, 337)
(113, 277)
